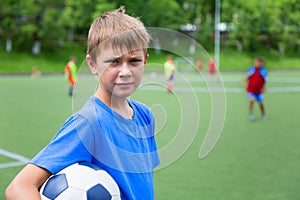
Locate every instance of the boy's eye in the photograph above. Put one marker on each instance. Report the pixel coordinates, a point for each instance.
(135, 60)
(114, 61)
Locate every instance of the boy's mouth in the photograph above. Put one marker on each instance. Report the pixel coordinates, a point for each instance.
(124, 84)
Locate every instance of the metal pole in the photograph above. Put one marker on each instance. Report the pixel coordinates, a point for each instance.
(217, 33)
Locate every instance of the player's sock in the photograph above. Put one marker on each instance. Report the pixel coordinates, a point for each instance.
(251, 117)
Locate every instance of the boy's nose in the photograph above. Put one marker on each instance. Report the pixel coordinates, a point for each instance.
(125, 71)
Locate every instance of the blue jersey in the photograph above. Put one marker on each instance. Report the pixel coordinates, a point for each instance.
(125, 148)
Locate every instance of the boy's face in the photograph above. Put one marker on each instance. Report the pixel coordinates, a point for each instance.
(120, 74)
(257, 63)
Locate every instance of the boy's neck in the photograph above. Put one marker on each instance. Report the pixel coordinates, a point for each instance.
(119, 105)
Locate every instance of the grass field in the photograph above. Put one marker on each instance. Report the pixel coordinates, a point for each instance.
(54, 62)
(251, 161)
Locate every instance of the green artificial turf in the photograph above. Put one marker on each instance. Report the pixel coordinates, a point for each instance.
(256, 160)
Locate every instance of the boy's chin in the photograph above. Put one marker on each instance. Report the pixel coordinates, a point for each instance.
(122, 94)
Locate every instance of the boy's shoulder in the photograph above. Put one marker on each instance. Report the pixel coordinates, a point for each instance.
(250, 71)
(251, 67)
(88, 107)
(262, 70)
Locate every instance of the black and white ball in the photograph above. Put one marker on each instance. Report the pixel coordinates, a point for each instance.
(80, 181)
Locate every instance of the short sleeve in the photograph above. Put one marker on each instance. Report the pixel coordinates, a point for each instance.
(250, 71)
(264, 73)
(67, 147)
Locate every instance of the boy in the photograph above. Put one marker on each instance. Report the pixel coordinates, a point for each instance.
(169, 68)
(71, 74)
(211, 67)
(256, 78)
(111, 130)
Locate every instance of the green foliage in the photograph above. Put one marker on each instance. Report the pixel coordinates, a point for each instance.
(269, 24)
(164, 13)
(8, 16)
(156, 13)
(101, 7)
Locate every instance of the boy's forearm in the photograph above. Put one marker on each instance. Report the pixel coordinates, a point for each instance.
(22, 192)
(26, 184)
(263, 89)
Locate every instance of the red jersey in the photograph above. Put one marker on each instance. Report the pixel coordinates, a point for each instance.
(70, 73)
(211, 67)
(256, 82)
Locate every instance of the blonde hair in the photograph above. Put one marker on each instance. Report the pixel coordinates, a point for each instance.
(117, 30)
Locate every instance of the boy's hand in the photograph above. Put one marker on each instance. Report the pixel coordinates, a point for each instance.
(244, 82)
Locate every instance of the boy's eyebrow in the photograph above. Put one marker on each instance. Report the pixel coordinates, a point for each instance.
(110, 57)
(135, 56)
(131, 55)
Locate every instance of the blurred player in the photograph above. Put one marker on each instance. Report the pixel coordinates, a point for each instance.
(199, 65)
(169, 68)
(211, 69)
(256, 79)
(211, 66)
(71, 74)
(35, 72)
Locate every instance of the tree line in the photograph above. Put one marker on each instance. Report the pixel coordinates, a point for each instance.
(249, 25)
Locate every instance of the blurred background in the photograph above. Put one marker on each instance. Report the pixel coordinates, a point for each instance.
(46, 32)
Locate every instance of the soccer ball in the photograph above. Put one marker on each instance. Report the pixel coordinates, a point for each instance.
(80, 181)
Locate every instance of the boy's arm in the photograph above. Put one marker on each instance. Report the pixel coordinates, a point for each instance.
(263, 89)
(27, 183)
(244, 82)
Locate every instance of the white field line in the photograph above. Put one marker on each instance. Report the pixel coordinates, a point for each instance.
(157, 83)
(21, 159)
(225, 78)
(239, 79)
(11, 164)
(220, 89)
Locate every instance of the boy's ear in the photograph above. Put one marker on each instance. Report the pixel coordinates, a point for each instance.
(91, 63)
(146, 58)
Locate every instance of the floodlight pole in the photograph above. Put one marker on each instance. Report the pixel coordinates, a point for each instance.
(217, 33)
